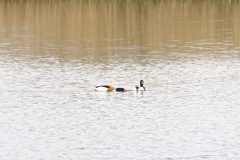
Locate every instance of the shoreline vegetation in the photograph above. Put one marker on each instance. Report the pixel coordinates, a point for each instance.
(120, 1)
(118, 25)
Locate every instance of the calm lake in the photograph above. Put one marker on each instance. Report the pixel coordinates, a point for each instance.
(187, 52)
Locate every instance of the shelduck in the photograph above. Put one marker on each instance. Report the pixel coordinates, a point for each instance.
(141, 88)
(109, 88)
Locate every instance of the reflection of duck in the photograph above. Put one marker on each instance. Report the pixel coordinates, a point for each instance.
(108, 88)
(141, 88)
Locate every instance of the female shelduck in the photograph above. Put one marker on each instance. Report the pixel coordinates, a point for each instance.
(141, 88)
(110, 88)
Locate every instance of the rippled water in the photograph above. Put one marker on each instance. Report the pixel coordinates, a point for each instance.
(191, 109)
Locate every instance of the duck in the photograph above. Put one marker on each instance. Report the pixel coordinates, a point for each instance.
(141, 88)
(108, 88)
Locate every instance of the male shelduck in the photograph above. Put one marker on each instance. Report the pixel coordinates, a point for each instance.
(109, 88)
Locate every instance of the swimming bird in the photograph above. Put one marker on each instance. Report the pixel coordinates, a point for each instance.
(108, 88)
(141, 88)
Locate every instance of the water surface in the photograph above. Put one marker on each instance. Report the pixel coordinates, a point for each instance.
(52, 52)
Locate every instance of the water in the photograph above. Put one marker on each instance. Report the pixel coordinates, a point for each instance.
(190, 67)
